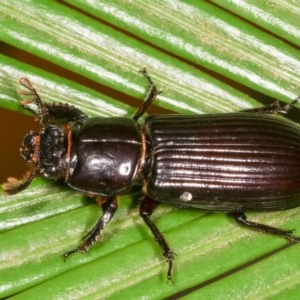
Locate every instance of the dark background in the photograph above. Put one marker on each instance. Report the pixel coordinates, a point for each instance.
(13, 126)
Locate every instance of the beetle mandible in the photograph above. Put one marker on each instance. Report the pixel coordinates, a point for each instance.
(233, 162)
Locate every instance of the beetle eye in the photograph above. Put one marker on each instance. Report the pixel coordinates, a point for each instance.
(30, 146)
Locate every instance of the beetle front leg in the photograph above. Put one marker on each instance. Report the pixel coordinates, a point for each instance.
(109, 208)
(147, 207)
(241, 218)
(151, 95)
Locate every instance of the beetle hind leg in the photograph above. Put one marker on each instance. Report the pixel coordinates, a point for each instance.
(241, 219)
(109, 208)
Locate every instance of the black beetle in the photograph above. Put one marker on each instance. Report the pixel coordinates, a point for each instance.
(234, 163)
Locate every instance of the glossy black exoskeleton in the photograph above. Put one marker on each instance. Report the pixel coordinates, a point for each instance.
(235, 163)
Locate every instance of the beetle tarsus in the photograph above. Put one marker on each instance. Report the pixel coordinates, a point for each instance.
(67, 254)
(291, 237)
(241, 218)
(169, 256)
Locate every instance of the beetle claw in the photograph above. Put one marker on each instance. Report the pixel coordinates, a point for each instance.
(81, 249)
(169, 256)
(291, 237)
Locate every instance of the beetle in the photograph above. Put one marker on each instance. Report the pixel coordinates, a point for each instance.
(232, 163)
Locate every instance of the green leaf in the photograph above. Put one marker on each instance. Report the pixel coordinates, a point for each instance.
(279, 17)
(102, 54)
(205, 60)
(205, 35)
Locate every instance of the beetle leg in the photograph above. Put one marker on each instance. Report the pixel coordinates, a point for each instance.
(152, 93)
(241, 218)
(273, 108)
(64, 111)
(109, 208)
(147, 207)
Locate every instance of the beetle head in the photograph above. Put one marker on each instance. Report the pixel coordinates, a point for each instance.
(44, 152)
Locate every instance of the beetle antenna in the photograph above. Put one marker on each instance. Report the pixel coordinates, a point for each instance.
(14, 185)
(36, 100)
